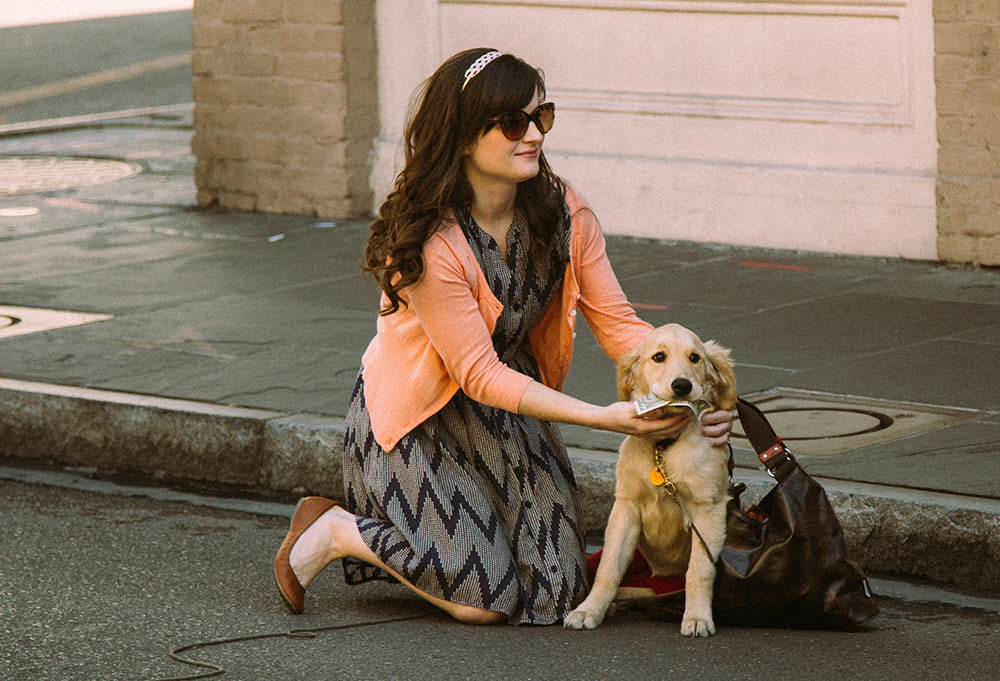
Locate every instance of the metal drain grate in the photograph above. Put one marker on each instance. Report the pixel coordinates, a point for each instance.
(17, 321)
(28, 174)
(823, 424)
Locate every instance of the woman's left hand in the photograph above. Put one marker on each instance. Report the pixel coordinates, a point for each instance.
(716, 426)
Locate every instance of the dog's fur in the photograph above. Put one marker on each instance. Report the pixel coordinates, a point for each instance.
(646, 516)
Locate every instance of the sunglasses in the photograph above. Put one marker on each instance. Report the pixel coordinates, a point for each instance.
(514, 124)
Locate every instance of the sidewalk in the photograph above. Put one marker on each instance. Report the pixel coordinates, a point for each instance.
(234, 340)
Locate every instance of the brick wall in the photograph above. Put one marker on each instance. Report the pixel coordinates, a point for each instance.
(967, 77)
(285, 105)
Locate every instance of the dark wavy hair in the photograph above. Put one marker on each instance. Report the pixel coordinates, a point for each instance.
(448, 121)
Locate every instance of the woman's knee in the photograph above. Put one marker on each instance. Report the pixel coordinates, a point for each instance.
(468, 614)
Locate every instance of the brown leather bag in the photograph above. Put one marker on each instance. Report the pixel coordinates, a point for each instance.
(785, 562)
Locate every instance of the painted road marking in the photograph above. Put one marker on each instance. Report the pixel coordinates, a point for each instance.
(773, 265)
(62, 87)
(17, 321)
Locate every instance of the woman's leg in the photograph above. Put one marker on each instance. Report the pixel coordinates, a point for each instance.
(335, 535)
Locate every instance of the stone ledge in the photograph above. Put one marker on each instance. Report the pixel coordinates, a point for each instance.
(942, 538)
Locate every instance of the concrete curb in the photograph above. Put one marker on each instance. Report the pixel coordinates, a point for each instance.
(91, 120)
(945, 539)
(171, 438)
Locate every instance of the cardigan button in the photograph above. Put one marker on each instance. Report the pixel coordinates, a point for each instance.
(572, 313)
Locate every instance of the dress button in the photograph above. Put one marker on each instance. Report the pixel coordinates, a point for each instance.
(572, 313)
(554, 569)
(527, 504)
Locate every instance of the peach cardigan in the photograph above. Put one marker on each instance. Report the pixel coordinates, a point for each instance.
(440, 342)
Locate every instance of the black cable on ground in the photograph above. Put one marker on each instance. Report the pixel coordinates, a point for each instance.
(217, 670)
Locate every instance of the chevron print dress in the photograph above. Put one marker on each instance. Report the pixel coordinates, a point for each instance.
(477, 505)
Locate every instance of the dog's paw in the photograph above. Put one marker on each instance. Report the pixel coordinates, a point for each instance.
(583, 619)
(697, 626)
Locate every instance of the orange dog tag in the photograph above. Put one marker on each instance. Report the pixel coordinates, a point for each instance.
(656, 477)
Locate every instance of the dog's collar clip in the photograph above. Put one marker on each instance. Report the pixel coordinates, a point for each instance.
(658, 476)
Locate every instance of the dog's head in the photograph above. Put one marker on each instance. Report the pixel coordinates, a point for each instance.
(676, 365)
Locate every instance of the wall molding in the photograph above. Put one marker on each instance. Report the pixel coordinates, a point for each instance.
(790, 110)
(833, 7)
(879, 29)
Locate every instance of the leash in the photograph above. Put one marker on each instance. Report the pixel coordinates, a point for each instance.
(217, 670)
(658, 477)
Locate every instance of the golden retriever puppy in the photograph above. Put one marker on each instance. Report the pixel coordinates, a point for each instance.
(671, 495)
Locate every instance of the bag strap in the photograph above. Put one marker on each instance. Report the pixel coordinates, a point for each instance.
(770, 449)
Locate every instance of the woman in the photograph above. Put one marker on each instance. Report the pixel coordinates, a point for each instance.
(457, 482)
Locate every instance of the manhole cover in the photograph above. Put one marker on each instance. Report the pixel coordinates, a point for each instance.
(27, 174)
(821, 424)
(17, 321)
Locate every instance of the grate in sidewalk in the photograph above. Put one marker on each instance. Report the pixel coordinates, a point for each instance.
(29, 174)
(823, 424)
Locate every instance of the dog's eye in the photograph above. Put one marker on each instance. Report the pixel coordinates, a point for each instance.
(695, 358)
(659, 357)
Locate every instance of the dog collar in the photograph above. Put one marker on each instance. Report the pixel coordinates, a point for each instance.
(658, 476)
(664, 444)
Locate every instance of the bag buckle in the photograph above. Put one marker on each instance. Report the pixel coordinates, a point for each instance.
(773, 451)
(773, 456)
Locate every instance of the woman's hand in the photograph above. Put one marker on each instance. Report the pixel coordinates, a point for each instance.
(716, 426)
(543, 402)
(620, 417)
(666, 422)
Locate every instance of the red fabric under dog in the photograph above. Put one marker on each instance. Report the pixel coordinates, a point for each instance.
(640, 574)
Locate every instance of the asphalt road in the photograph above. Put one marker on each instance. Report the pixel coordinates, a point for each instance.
(105, 583)
(94, 66)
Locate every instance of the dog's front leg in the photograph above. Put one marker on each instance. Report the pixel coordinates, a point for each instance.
(700, 578)
(620, 539)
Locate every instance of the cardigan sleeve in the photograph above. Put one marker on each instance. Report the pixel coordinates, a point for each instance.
(610, 316)
(455, 323)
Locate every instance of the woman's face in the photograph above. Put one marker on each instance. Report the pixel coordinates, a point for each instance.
(493, 159)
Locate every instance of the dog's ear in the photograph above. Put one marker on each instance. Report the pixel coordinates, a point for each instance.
(626, 374)
(721, 376)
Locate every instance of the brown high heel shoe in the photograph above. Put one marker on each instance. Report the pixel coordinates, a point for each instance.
(307, 512)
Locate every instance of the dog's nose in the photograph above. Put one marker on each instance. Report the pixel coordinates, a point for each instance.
(681, 386)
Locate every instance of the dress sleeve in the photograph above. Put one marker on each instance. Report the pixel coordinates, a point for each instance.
(603, 303)
(453, 319)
